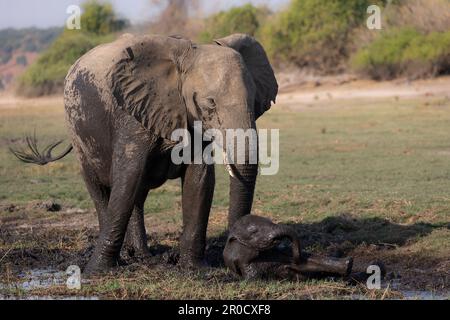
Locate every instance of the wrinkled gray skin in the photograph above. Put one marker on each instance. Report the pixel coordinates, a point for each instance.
(251, 251)
(124, 99)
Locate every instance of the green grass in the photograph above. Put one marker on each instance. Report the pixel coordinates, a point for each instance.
(384, 158)
(388, 159)
(357, 171)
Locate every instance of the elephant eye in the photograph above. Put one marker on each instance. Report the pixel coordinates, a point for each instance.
(211, 102)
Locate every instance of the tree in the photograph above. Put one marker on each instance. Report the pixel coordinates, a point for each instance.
(314, 33)
(46, 75)
(245, 19)
(100, 18)
(174, 18)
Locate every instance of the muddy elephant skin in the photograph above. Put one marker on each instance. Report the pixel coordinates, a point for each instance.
(252, 252)
(124, 99)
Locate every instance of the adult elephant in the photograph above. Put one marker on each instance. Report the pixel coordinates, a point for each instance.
(124, 99)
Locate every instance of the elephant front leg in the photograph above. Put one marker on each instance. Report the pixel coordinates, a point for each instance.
(197, 193)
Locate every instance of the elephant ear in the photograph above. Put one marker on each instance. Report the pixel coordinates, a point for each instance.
(259, 66)
(145, 81)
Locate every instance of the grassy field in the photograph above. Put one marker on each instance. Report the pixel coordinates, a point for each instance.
(366, 178)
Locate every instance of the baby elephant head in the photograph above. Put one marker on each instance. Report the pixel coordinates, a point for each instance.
(262, 234)
(251, 243)
(251, 251)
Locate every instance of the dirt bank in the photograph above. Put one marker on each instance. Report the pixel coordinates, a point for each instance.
(299, 95)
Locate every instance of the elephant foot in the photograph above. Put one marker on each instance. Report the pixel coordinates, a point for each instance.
(135, 252)
(99, 264)
(135, 246)
(104, 258)
(192, 255)
(188, 262)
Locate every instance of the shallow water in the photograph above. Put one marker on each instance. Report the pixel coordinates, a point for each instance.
(41, 279)
(425, 295)
(46, 278)
(411, 295)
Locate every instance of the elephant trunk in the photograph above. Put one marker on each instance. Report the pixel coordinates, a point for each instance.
(241, 160)
(242, 188)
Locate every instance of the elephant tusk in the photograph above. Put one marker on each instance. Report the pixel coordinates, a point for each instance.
(230, 170)
(229, 167)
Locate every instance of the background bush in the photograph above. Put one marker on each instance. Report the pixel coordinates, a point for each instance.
(244, 19)
(314, 33)
(413, 43)
(405, 52)
(100, 18)
(46, 75)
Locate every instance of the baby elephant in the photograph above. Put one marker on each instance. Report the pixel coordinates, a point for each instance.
(253, 251)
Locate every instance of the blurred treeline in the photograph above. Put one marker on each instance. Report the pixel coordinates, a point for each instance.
(25, 40)
(324, 36)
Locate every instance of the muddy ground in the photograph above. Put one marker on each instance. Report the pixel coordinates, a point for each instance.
(36, 239)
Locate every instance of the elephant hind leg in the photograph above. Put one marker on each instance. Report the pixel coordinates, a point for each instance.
(99, 193)
(127, 171)
(135, 243)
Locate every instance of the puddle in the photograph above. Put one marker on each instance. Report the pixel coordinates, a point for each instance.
(409, 294)
(424, 295)
(41, 279)
(47, 278)
(419, 294)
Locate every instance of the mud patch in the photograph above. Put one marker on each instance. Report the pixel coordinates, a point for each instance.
(37, 247)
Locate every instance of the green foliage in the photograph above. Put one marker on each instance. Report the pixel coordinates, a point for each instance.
(314, 33)
(46, 75)
(404, 52)
(100, 19)
(244, 19)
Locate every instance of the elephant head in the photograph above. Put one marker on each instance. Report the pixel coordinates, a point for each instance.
(251, 251)
(167, 83)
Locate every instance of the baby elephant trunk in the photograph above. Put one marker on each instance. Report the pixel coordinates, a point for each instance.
(314, 264)
(287, 232)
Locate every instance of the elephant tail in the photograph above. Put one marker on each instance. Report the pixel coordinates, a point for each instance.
(35, 156)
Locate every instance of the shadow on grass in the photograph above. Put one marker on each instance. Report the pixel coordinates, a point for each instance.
(337, 236)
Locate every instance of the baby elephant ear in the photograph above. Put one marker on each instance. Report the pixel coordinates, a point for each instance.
(259, 66)
(145, 81)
